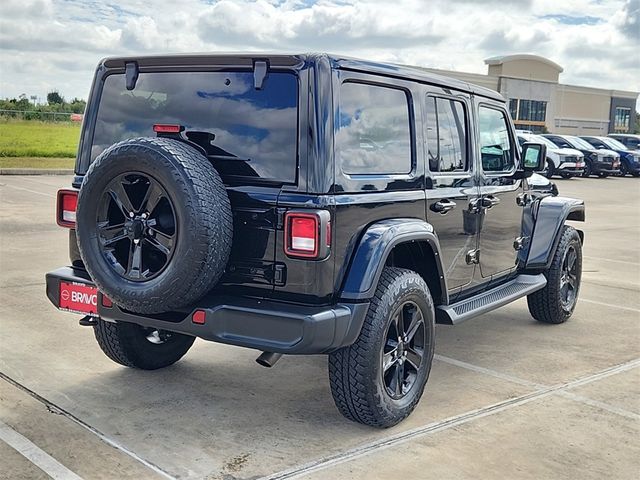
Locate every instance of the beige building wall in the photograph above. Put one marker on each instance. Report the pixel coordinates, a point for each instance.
(474, 78)
(581, 111)
(526, 69)
(570, 109)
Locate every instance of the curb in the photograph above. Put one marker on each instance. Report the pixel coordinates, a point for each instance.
(35, 171)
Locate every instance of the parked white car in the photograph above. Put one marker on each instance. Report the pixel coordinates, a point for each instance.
(566, 162)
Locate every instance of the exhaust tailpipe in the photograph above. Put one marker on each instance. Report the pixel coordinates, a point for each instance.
(268, 359)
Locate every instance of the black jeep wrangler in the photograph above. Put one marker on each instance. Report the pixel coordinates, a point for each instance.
(305, 204)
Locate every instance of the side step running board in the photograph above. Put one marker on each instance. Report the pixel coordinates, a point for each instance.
(490, 300)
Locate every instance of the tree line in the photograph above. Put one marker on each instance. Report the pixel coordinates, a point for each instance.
(56, 103)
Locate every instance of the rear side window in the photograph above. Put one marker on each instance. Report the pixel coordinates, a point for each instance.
(374, 130)
(246, 132)
(446, 136)
(496, 150)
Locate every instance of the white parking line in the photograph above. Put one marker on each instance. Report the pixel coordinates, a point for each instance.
(91, 429)
(601, 405)
(487, 371)
(527, 383)
(624, 262)
(28, 190)
(611, 305)
(446, 424)
(35, 454)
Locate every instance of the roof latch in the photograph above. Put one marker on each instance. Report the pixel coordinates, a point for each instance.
(131, 74)
(260, 68)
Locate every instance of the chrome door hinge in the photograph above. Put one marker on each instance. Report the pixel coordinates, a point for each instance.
(519, 243)
(473, 257)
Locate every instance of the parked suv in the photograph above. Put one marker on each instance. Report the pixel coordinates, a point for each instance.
(566, 162)
(629, 140)
(597, 162)
(305, 204)
(629, 159)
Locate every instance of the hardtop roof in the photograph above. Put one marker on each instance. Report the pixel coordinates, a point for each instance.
(297, 61)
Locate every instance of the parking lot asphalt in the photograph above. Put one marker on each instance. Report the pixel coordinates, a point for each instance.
(508, 397)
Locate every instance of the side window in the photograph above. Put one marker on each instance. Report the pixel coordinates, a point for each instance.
(374, 130)
(496, 150)
(446, 134)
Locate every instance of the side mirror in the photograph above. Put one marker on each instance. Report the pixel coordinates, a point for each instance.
(534, 156)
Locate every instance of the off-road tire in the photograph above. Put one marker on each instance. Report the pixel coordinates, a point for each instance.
(127, 344)
(545, 305)
(355, 371)
(203, 219)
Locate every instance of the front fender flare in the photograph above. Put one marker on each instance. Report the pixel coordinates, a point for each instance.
(550, 216)
(374, 248)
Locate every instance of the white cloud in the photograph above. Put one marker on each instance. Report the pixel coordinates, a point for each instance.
(47, 44)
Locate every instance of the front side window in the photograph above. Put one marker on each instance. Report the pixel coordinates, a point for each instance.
(613, 144)
(374, 130)
(496, 150)
(246, 132)
(446, 135)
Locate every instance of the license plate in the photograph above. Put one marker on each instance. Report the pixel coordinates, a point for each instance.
(78, 298)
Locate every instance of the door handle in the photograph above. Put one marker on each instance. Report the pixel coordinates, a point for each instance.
(490, 201)
(443, 206)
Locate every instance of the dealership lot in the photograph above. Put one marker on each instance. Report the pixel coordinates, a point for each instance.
(507, 397)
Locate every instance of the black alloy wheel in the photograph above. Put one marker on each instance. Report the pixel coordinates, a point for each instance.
(403, 350)
(379, 379)
(137, 226)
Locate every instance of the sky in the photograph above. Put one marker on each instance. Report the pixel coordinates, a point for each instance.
(56, 44)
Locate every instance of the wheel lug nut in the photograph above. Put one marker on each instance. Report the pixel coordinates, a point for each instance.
(131, 214)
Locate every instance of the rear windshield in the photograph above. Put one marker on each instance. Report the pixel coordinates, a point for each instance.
(246, 132)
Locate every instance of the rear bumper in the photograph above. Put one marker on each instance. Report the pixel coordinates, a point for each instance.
(246, 322)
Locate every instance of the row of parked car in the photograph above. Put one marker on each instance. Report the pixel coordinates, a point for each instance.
(572, 156)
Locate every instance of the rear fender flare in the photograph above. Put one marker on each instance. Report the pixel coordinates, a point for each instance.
(374, 248)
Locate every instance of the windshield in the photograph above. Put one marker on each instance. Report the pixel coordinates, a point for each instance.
(613, 143)
(541, 139)
(245, 132)
(580, 143)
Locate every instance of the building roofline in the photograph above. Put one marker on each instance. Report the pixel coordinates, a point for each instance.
(500, 59)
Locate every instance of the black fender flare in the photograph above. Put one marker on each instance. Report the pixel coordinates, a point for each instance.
(550, 216)
(375, 245)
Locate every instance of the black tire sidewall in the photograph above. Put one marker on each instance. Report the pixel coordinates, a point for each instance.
(570, 238)
(131, 157)
(398, 407)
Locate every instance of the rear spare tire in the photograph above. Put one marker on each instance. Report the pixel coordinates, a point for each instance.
(154, 224)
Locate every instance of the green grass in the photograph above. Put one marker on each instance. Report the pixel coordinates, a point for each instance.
(21, 138)
(37, 162)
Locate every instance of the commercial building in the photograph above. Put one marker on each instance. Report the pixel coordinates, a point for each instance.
(539, 102)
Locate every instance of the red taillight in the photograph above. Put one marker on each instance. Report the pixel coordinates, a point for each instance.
(106, 302)
(165, 128)
(66, 208)
(302, 235)
(307, 235)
